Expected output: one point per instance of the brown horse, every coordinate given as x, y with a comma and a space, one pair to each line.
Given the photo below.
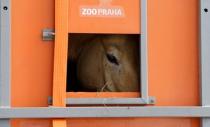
107, 62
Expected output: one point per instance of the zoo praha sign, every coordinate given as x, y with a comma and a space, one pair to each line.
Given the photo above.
104, 9
104, 16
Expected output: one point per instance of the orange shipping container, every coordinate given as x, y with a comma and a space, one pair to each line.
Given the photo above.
173, 54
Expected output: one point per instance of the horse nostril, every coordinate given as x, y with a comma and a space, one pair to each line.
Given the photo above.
112, 59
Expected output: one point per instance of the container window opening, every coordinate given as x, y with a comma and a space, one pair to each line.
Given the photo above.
103, 63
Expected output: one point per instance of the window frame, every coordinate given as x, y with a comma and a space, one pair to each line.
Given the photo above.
144, 97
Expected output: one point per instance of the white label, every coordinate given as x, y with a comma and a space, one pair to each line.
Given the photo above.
102, 12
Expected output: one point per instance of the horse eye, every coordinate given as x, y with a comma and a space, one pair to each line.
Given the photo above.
112, 59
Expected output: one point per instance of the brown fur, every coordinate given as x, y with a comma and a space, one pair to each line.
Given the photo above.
95, 72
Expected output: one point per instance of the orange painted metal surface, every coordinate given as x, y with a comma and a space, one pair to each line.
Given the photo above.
102, 94
173, 60
129, 22
60, 58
